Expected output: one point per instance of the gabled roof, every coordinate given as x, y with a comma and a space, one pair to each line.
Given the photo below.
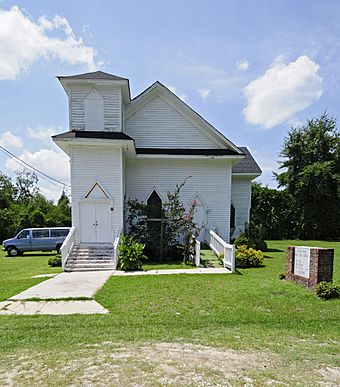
158, 87
247, 165
94, 75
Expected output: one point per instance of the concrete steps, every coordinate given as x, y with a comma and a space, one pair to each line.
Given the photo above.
90, 258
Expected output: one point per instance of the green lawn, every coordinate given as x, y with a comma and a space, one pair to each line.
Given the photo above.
250, 311
16, 272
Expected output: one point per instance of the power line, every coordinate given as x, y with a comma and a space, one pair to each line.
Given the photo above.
43, 175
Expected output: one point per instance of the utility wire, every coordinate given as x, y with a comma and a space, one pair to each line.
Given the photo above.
42, 174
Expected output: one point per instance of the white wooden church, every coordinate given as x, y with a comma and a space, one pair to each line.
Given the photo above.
122, 147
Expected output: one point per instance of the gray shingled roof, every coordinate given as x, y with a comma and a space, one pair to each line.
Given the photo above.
248, 164
95, 75
92, 134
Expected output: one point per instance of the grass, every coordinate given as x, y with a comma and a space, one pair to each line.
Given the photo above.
252, 311
16, 272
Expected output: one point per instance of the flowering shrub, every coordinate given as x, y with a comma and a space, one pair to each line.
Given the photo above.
248, 257
177, 233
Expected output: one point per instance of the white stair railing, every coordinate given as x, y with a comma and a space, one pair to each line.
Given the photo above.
67, 246
222, 248
116, 243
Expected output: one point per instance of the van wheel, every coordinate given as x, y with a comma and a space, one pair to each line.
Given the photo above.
58, 249
12, 251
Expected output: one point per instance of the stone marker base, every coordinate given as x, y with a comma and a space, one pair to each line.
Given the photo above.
320, 266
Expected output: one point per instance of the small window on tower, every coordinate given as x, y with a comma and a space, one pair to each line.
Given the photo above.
94, 112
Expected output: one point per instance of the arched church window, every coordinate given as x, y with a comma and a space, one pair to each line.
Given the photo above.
232, 216
154, 206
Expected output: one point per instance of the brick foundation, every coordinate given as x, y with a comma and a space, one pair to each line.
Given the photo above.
320, 266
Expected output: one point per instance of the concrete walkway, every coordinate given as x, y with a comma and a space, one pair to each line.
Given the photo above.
62, 286
67, 285
51, 307
212, 270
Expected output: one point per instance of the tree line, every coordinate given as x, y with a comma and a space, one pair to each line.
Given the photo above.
306, 204
22, 205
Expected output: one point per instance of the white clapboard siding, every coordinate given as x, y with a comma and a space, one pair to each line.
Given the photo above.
91, 164
210, 178
158, 125
241, 199
112, 107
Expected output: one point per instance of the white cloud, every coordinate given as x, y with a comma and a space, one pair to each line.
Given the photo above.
23, 41
173, 89
53, 163
42, 133
10, 140
282, 91
52, 192
243, 65
204, 93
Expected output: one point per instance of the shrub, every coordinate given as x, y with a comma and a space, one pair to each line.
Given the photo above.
327, 290
245, 240
248, 257
260, 244
131, 254
54, 261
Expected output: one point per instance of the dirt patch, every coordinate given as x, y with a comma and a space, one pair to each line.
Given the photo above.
165, 364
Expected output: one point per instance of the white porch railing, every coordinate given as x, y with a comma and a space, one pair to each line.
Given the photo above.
197, 253
116, 243
220, 247
67, 246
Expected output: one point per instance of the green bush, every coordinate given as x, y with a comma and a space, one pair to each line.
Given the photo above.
131, 254
244, 240
248, 257
327, 290
54, 261
260, 244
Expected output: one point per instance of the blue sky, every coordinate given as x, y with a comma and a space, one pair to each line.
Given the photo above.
251, 68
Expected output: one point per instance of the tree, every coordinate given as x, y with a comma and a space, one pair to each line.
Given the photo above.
311, 175
272, 214
23, 206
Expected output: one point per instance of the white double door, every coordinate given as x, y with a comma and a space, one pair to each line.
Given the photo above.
95, 222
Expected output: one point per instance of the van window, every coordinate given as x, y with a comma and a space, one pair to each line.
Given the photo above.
40, 234
24, 234
59, 233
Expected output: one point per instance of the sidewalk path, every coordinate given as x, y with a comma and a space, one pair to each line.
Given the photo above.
212, 270
51, 307
67, 285
62, 286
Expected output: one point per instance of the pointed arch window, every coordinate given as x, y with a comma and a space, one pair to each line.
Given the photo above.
156, 225
154, 206
232, 216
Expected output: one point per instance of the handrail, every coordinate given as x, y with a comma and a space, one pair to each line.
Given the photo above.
67, 246
197, 252
116, 243
220, 247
